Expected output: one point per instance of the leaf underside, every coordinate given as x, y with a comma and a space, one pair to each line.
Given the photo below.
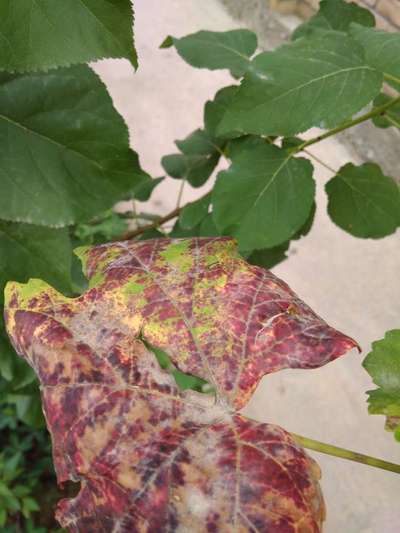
153, 457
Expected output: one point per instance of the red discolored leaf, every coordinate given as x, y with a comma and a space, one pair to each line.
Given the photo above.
151, 457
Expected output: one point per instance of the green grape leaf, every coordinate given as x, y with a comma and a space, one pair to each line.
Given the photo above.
109, 227
28, 407
269, 257
196, 169
152, 233
43, 34
390, 117
382, 50
264, 197
217, 50
214, 111
363, 201
193, 213
383, 365
144, 189
207, 227
7, 355
335, 15
65, 150
28, 251
309, 82
199, 142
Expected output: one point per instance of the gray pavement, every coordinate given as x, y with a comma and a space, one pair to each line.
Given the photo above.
354, 284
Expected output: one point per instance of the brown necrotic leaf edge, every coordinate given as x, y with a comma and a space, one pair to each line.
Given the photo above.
150, 457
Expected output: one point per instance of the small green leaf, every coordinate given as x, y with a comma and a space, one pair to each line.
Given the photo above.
390, 117
264, 197
363, 201
196, 169
269, 257
207, 227
151, 234
214, 111
192, 214
335, 15
42, 35
217, 50
3, 516
382, 49
28, 251
199, 142
29, 505
144, 190
310, 82
108, 228
7, 354
65, 150
184, 381
167, 42
29, 408
383, 365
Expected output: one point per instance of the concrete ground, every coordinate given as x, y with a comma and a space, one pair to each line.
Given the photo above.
354, 284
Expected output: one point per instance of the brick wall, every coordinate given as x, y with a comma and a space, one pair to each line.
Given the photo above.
387, 12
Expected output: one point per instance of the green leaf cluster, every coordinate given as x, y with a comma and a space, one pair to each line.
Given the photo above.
333, 69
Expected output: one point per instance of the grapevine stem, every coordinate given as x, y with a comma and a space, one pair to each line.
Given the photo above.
392, 78
392, 121
180, 194
348, 124
329, 449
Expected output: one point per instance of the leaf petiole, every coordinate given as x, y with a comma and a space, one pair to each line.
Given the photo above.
348, 124
343, 453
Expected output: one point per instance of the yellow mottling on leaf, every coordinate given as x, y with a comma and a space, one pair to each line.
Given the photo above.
178, 254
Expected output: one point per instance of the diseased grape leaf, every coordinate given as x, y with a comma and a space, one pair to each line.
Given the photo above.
153, 457
383, 365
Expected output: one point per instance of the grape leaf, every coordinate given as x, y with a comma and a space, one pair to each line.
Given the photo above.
390, 117
382, 49
145, 188
309, 82
199, 142
217, 50
193, 213
335, 15
153, 457
215, 109
383, 365
269, 257
43, 34
196, 169
65, 150
264, 197
27, 251
363, 201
